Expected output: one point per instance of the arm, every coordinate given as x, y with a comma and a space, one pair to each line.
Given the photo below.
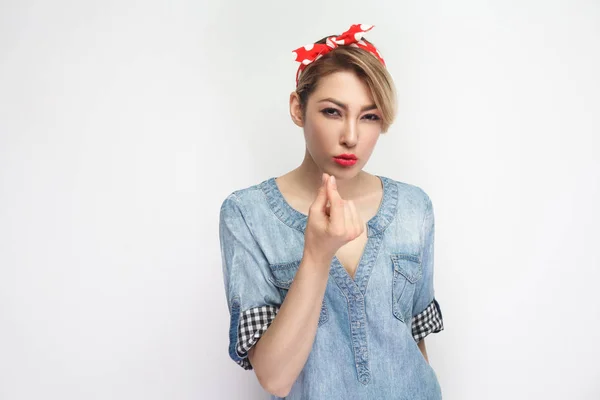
280, 354
428, 317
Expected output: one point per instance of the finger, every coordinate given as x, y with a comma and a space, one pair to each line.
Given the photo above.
336, 211
353, 222
321, 199
348, 218
333, 195
356, 218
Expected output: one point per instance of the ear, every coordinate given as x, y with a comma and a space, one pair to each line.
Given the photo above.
296, 109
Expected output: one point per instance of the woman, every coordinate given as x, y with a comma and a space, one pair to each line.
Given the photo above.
341, 307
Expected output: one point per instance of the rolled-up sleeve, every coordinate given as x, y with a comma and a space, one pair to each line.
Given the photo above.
245, 276
427, 315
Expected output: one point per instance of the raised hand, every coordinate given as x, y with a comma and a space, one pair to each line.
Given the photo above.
332, 225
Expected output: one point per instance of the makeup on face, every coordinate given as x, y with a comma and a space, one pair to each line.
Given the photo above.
342, 117
346, 159
372, 117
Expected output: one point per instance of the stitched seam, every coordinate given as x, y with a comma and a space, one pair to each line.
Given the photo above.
427, 203
277, 216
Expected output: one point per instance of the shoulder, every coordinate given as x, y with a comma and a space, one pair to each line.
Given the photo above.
248, 202
411, 195
244, 196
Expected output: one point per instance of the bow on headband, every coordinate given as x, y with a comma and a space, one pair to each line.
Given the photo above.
352, 37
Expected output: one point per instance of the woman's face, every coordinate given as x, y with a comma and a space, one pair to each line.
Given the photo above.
341, 118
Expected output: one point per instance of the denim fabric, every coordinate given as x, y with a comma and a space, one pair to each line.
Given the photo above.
364, 348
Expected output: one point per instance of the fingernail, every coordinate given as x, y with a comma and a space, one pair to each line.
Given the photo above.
333, 181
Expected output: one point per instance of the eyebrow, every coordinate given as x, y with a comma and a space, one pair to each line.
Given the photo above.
345, 107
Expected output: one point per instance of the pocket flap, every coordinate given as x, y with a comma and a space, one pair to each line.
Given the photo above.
408, 265
283, 274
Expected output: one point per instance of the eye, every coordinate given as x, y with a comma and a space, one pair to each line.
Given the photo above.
372, 117
330, 112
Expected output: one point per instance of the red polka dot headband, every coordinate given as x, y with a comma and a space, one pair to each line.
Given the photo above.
352, 37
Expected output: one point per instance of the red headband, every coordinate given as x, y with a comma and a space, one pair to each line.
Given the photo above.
352, 37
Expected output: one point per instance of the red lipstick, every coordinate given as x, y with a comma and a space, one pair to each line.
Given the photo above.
345, 159
346, 155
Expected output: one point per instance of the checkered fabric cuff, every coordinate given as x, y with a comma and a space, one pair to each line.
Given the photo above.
253, 323
427, 321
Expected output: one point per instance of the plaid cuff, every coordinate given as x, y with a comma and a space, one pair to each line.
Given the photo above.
253, 323
427, 321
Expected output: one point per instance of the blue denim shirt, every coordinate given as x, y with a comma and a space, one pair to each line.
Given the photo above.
366, 341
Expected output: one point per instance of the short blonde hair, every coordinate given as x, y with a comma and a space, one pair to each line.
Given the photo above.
366, 66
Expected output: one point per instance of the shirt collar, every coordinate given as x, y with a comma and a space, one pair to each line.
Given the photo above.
297, 220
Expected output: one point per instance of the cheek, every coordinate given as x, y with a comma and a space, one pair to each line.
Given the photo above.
319, 131
372, 138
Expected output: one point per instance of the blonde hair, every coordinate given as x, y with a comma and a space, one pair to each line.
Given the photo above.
366, 66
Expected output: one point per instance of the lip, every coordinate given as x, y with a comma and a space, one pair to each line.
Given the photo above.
346, 162
347, 156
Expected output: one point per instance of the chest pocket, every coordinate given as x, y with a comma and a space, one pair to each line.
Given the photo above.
283, 276
407, 272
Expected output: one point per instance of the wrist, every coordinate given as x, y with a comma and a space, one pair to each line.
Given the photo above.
317, 258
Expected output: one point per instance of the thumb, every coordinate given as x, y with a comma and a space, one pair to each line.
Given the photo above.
331, 189
321, 200
337, 210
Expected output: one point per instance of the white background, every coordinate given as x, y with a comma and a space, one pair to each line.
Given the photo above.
124, 124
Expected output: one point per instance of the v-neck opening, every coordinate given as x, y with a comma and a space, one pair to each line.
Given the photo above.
368, 242
375, 227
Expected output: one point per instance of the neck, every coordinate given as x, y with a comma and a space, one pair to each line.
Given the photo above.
351, 186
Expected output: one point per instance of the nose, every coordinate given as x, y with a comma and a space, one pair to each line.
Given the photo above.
350, 134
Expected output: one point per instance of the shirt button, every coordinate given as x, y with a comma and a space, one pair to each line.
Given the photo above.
364, 378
